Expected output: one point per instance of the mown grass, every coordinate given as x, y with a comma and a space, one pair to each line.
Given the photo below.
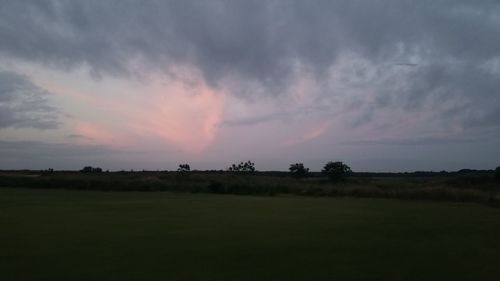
84, 235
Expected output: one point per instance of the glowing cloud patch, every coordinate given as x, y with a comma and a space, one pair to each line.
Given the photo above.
311, 134
92, 133
186, 115
181, 110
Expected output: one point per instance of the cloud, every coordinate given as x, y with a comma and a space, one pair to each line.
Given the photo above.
25, 105
77, 136
74, 156
259, 40
41, 155
385, 70
311, 134
414, 142
183, 113
279, 114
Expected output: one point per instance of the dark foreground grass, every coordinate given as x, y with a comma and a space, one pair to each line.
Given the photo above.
84, 235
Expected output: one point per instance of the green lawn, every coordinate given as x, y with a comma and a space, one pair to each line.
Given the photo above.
81, 235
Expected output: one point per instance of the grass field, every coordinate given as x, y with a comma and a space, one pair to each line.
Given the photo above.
86, 235
476, 188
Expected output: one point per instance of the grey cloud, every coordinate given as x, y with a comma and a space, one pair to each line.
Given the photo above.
41, 155
68, 156
23, 104
463, 92
78, 136
460, 93
255, 39
284, 115
426, 54
415, 141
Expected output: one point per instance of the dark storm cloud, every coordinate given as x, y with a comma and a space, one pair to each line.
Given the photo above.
444, 43
23, 104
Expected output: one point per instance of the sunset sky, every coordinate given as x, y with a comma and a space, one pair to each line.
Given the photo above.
388, 85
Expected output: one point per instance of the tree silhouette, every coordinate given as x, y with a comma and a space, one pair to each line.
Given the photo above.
247, 167
297, 170
184, 168
336, 170
497, 173
90, 169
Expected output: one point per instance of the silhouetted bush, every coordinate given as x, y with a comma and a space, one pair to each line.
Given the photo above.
336, 170
298, 170
497, 173
90, 169
248, 167
184, 168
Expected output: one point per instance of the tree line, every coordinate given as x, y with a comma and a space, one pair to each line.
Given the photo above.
335, 171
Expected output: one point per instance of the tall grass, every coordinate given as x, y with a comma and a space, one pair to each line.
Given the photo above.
483, 190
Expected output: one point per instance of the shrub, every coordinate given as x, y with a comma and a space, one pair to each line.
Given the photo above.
90, 169
184, 168
297, 170
248, 167
336, 170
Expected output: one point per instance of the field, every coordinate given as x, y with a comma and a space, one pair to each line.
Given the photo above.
476, 186
55, 234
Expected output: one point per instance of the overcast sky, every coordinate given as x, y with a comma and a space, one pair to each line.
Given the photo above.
382, 85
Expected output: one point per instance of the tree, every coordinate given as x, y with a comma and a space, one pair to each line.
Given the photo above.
497, 173
247, 167
90, 169
297, 170
336, 170
184, 168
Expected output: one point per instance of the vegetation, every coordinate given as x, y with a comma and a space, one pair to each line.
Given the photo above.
336, 171
297, 170
456, 187
246, 167
497, 173
86, 169
184, 168
70, 235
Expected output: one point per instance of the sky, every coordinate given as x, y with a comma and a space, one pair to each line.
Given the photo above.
382, 85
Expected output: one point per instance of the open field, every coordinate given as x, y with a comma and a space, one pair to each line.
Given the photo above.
51, 234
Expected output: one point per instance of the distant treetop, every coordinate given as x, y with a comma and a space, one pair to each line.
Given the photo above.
248, 167
336, 170
184, 168
297, 170
90, 169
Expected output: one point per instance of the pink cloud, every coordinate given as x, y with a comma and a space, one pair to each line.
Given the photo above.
185, 116
93, 133
311, 134
183, 112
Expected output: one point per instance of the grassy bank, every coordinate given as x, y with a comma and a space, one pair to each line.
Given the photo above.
481, 189
82, 235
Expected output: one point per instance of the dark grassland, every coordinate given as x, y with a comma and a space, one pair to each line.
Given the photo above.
48, 234
62, 226
479, 186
